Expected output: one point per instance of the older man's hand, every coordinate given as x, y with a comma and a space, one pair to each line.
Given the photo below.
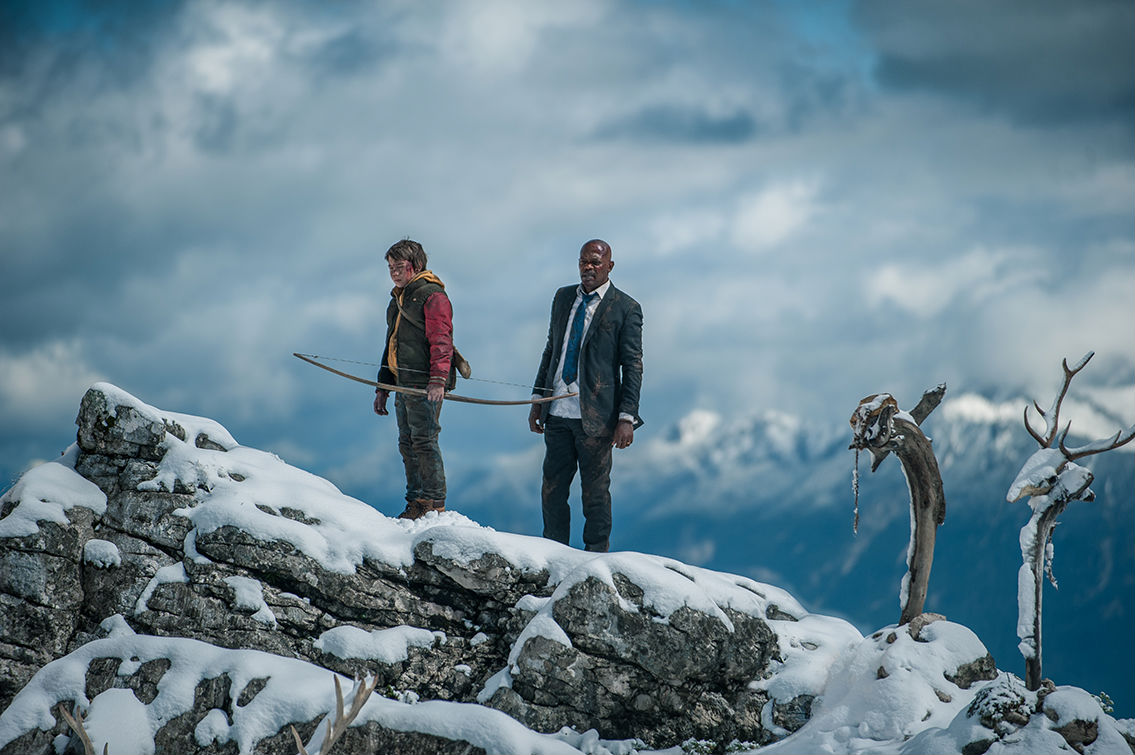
624, 434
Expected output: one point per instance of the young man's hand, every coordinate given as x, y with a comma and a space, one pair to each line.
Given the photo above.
435, 392
380, 402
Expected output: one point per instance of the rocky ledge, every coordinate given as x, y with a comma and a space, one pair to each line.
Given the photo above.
160, 573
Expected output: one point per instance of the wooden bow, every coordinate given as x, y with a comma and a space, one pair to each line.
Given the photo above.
422, 392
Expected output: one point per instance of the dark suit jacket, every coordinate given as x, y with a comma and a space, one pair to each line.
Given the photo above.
610, 359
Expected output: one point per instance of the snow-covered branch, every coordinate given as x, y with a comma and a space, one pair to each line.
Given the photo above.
1051, 480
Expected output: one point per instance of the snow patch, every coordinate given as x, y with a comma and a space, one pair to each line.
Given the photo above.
101, 554
119, 722
164, 575
44, 494
384, 645
249, 596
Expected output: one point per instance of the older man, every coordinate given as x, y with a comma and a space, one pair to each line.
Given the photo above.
594, 348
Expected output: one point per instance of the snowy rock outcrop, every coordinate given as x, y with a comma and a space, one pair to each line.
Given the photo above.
186, 593
157, 525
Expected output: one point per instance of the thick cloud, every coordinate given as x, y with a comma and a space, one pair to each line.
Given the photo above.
1046, 62
811, 204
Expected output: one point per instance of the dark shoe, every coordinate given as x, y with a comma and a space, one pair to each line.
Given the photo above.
413, 510
597, 547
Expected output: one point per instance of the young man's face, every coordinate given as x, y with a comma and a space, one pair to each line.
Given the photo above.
401, 271
594, 267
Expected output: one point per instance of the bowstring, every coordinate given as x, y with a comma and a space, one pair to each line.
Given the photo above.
424, 372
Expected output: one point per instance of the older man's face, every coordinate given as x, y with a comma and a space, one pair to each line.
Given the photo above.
594, 266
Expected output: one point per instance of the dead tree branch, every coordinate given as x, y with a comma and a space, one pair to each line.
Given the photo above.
879, 426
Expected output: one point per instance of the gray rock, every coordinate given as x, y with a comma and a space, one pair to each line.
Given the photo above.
980, 669
41, 596
629, 674
150, 516
111, 430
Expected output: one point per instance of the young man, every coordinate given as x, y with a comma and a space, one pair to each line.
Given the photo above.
594, 347
418, 354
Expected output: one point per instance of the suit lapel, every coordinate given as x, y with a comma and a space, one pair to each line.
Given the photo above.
563, 309
601, 311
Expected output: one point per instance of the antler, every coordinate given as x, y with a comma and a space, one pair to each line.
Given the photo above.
362, 692
1052, 416
76, 723
1097, 447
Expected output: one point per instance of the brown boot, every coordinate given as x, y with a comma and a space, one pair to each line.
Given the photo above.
428, 506
414, 509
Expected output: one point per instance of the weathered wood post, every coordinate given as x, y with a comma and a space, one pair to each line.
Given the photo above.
879, 426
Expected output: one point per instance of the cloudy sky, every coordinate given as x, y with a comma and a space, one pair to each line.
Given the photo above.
812, 202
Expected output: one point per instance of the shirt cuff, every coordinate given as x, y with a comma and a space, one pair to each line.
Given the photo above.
627, 417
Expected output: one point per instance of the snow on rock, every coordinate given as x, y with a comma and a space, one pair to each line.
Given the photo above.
101, 554
43, 494
892, 685
248, 595
119, 721
174, 573
273, 692
386, 645
115, 626
1005, 717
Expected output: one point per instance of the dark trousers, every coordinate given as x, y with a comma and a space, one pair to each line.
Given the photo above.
567, 448
419, 422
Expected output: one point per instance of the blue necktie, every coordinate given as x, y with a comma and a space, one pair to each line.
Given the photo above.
571, 359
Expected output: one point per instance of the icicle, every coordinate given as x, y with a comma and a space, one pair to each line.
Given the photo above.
855, 489
1049, 553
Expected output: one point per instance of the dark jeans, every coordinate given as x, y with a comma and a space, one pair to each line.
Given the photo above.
567, 448
418, 428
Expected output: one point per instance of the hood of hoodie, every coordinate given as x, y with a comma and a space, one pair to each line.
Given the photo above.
426, 275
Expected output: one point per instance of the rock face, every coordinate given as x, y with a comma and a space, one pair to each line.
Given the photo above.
161, 525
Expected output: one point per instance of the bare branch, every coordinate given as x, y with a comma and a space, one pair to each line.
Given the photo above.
1121, 438
76, 724
929, 401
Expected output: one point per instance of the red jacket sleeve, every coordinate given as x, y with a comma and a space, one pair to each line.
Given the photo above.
439, 334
